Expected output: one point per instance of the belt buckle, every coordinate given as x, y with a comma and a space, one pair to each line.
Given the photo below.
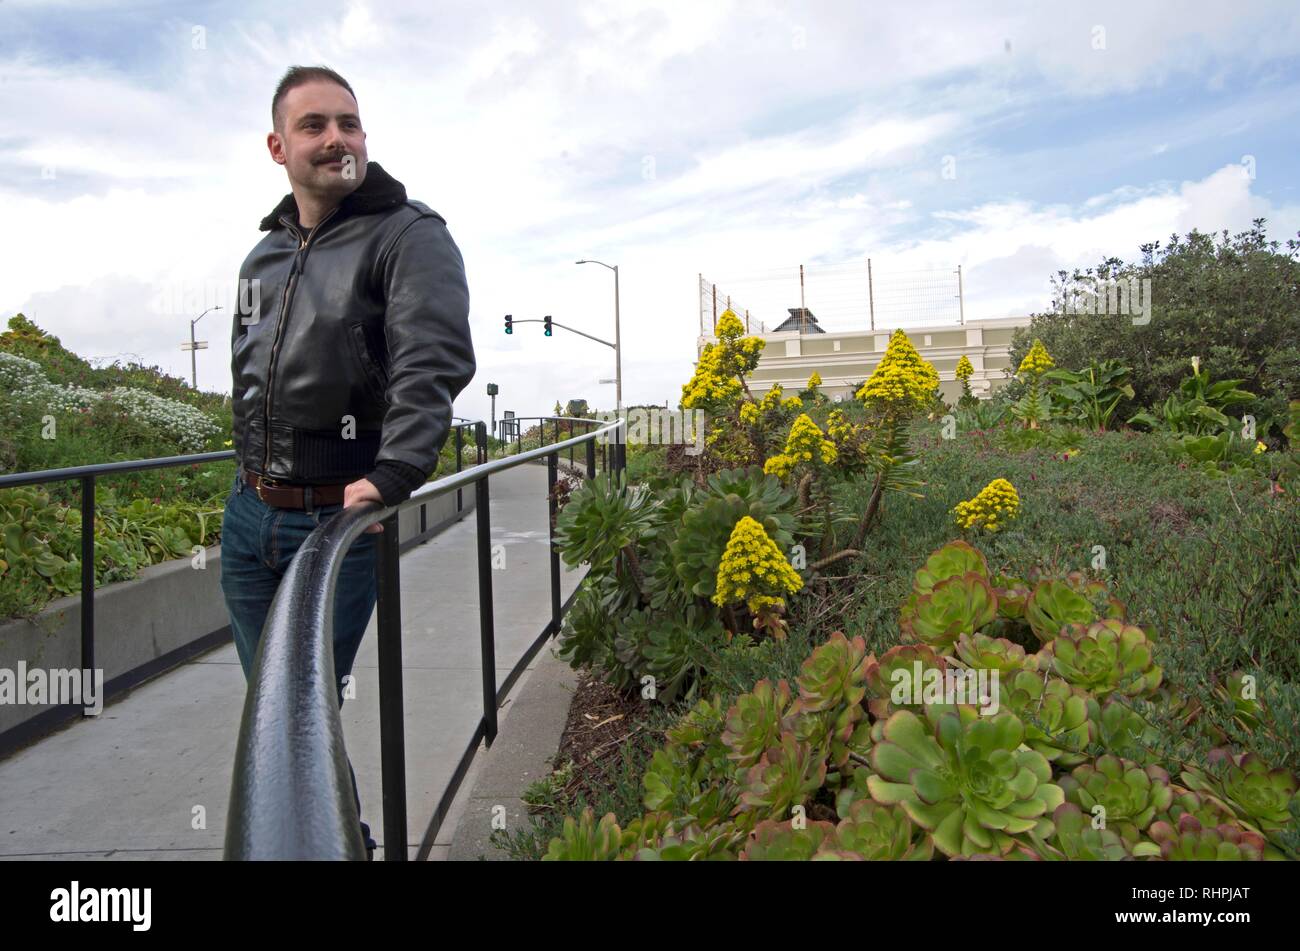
269, 483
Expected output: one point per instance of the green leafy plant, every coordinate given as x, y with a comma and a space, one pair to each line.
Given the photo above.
1090, 395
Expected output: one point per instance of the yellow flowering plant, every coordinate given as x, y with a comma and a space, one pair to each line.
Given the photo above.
753, 571
805, 444
902, 382
1031, 408
964, 371
995, 505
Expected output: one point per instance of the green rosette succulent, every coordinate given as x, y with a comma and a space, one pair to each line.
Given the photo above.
964, 778
1077, 840
981, 652
1258, 795
754, 722
1130, 795
881, 833
784, 776
1189, 841
1056, 715
953, 559
1055, 606
1122, 731
718, 843
773, 841
1247, 709
586, 840
834, 675
600, 519
1109, 656
898, 666
961, 604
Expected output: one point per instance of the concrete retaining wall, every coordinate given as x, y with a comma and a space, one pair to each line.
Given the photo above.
167, 614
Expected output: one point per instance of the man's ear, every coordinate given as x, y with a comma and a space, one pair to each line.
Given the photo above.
275, 145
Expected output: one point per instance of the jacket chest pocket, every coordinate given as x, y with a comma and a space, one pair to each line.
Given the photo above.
373, 372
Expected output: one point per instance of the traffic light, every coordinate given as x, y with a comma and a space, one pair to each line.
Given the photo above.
547, 323
510, 324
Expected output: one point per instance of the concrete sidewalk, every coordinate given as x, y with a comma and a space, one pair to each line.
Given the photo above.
150, 777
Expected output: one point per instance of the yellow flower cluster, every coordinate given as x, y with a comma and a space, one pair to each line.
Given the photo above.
997, 503
805, 440
711, 383
815, 380
729, 326
753, 569
964, 369
792, 402
903, 379
771, 399
1260, 447
1037, 361
749, 413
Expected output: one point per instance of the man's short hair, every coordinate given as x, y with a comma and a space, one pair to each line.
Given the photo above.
297, 76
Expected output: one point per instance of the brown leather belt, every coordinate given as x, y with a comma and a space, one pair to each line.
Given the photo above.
286, 496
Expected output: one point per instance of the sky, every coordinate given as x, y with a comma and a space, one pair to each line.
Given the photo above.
734, 140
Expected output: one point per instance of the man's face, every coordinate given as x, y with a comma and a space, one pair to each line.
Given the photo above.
322, 145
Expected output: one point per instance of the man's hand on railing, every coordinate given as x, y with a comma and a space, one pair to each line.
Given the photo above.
363, 490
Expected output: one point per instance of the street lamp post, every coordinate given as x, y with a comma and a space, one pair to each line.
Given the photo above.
193, 346
618, 349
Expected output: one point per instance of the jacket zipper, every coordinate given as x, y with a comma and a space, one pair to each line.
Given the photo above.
285, 302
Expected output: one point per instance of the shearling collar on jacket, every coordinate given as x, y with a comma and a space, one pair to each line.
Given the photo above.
379, 191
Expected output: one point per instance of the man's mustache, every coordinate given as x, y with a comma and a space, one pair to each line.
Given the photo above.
331, 158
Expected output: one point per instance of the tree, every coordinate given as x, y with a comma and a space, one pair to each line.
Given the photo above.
1234, 303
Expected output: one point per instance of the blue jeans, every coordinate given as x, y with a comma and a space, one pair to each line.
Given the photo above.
258, 541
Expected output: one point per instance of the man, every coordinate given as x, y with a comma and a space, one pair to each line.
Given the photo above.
350, 342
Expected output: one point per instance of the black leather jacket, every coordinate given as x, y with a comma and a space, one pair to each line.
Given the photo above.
349, 348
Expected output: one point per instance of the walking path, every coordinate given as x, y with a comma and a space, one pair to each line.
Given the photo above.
149, 778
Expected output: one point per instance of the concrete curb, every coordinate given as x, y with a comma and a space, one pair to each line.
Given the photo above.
527, 741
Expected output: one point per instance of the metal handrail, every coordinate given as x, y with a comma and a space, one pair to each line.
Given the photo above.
290, 794
87, 475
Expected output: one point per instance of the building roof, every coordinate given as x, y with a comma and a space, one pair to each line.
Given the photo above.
801, 319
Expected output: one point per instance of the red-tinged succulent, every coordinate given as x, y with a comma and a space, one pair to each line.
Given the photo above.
754, 722
786, 775
1013, 596
773, 841
1130, 796
1209, 810
1057, 717
1259, 795
898, 665
1189, 841
961, 604
952, 560
1110, 656
1078, 839
964, 778
1055, 606
879, 832
981, 652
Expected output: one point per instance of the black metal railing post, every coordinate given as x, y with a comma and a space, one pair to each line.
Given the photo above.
392, 732
591, 458
557, 615
87, 575
460, 502
487, 632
